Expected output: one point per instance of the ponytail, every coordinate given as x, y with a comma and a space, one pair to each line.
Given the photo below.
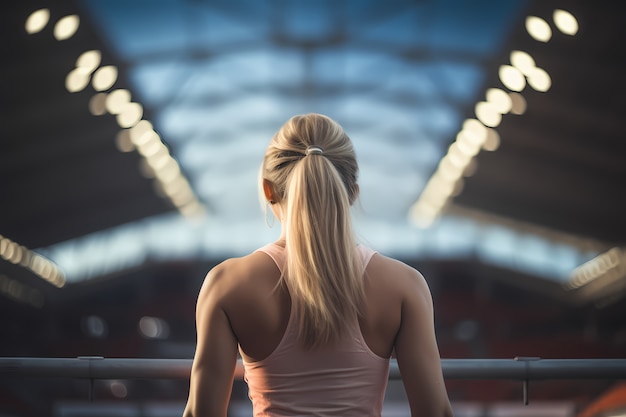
317, 188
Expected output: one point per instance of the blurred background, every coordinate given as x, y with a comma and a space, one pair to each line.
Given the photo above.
491, 142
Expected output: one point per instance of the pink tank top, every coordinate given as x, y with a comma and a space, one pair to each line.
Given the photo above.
345, 380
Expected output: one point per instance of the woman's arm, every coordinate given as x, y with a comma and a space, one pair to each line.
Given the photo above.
214, 362
417, 351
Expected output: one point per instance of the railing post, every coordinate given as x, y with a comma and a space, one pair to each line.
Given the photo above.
526, 382
90, 394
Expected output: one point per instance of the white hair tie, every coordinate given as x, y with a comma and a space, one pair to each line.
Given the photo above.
314, 150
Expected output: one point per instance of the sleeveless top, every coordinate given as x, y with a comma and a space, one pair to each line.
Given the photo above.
347, 379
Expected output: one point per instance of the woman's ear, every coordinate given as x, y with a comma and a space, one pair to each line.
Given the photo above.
268, 190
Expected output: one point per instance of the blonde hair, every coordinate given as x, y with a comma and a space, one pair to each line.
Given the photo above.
317, 190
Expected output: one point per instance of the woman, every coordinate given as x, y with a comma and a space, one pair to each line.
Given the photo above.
314, 316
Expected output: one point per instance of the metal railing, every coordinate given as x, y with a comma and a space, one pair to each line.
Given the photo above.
523, 369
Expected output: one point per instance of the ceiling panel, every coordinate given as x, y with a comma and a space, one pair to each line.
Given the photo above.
218, 78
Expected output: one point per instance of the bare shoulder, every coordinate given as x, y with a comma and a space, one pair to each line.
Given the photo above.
400, 276
233, 276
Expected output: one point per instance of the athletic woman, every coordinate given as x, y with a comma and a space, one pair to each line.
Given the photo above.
314, 316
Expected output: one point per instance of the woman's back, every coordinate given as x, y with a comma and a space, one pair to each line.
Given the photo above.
342, 378
396, 315
259, 307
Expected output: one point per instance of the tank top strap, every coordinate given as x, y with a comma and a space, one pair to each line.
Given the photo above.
366, 254
277, 253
